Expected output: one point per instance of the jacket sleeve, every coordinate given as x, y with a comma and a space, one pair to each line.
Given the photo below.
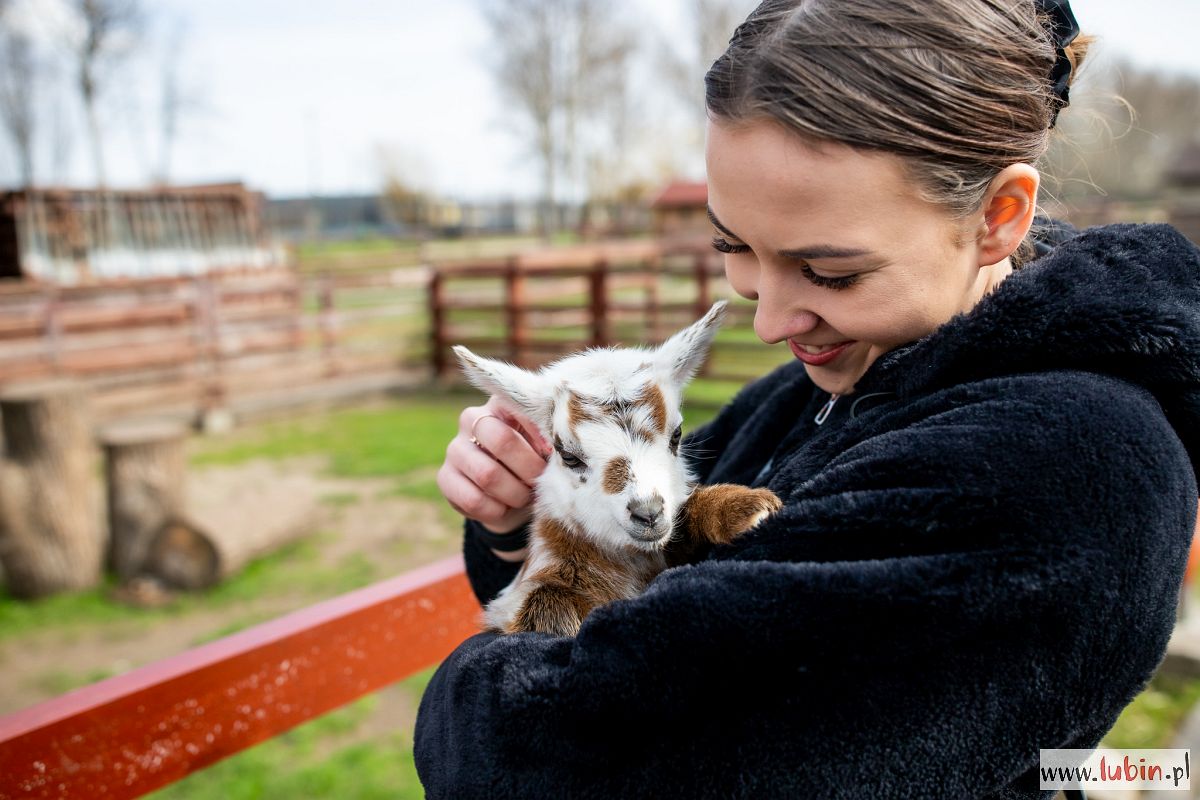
930, 608
486, 573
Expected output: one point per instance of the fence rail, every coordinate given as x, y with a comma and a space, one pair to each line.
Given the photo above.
134, 733
532, 308
202, 341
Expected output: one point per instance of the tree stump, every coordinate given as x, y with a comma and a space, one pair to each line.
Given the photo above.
51, 538
214, 540
145, 468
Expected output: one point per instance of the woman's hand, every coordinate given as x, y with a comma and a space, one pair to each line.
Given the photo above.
492, 481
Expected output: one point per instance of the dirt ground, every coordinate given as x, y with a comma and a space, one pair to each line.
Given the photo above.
361, 520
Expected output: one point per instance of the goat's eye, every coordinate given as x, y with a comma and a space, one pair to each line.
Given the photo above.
570, 461
675, 437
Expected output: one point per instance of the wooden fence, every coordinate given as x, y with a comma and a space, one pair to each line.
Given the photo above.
136, 732
529, 309
198, 343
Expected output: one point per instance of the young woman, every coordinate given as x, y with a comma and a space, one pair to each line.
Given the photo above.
984, 447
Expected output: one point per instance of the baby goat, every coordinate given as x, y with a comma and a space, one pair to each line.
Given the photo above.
617, 492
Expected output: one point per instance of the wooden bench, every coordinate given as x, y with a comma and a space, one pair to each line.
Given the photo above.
131, 734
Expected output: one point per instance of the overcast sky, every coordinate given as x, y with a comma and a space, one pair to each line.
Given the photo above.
297, 97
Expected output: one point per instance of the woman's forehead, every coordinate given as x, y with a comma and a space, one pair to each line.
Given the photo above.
760, 175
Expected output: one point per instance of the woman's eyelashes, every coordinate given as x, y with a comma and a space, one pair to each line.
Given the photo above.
722, 246
841, 282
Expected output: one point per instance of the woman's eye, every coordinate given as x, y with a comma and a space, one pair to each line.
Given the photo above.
570, 461
843, 282
722, 246
675, 437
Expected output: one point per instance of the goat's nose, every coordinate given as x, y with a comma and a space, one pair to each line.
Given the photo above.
646, 510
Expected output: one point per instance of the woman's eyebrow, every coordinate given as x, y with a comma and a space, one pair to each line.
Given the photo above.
802, 253
717, 223
823, 251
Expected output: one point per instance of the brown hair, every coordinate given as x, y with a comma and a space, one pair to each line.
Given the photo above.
959, 88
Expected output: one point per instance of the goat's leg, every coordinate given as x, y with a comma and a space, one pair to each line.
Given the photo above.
551, 608
715, 515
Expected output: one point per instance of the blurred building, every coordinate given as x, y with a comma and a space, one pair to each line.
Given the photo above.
73, 236
370, 215
681, 209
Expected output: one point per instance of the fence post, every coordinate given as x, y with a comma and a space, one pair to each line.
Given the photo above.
53, 328
599, 296
703, 296
652, 316
328, 324
213, 416
518, 337
437, 321
297, 297
703, 300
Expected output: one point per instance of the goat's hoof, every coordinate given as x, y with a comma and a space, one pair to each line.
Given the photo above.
751, 509
720, 512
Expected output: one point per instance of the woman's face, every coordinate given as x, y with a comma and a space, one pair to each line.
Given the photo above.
836, 246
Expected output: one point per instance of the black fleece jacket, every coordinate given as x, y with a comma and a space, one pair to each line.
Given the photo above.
979, 556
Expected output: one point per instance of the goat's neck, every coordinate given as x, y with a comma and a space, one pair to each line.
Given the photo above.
567, 543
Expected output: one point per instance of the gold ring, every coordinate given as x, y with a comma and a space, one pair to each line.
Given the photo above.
474, 439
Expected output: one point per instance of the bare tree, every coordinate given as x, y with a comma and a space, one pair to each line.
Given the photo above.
686, 59
405, 191
556, 63
110, 28
528, 72
21, 74
176, 99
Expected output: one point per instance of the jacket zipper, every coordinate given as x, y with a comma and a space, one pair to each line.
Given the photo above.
825, 409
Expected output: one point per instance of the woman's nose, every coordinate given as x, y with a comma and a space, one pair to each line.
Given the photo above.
778, 317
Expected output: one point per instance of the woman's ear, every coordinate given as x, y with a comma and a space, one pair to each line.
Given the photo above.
1008, 209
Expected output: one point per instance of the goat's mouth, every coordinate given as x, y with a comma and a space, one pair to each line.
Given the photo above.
649, 534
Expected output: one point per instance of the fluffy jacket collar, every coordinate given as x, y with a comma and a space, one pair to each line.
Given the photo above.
1120, 300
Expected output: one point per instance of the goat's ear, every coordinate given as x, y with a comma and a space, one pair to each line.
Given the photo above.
526, 391
680, 356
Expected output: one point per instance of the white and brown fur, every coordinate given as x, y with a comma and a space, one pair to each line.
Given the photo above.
616, 504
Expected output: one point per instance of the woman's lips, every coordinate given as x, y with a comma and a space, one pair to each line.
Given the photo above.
819, 358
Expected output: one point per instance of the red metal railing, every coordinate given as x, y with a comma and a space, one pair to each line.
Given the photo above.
134, 733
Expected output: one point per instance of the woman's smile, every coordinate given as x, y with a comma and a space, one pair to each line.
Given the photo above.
818, 355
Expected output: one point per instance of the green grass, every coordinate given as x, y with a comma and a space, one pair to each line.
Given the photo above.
61, 681
389, 440
295, 568
365, 245
340, 499
1155, 715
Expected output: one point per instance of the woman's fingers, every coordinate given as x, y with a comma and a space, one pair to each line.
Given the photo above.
509, 447
522, 424
467, 498
489, 475
492, 465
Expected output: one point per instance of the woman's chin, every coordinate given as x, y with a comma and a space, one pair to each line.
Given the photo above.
842, 380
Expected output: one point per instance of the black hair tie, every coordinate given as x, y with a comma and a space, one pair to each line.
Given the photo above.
1063, 30
504, 542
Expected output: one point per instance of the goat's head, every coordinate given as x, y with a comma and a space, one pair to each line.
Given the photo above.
613, 416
